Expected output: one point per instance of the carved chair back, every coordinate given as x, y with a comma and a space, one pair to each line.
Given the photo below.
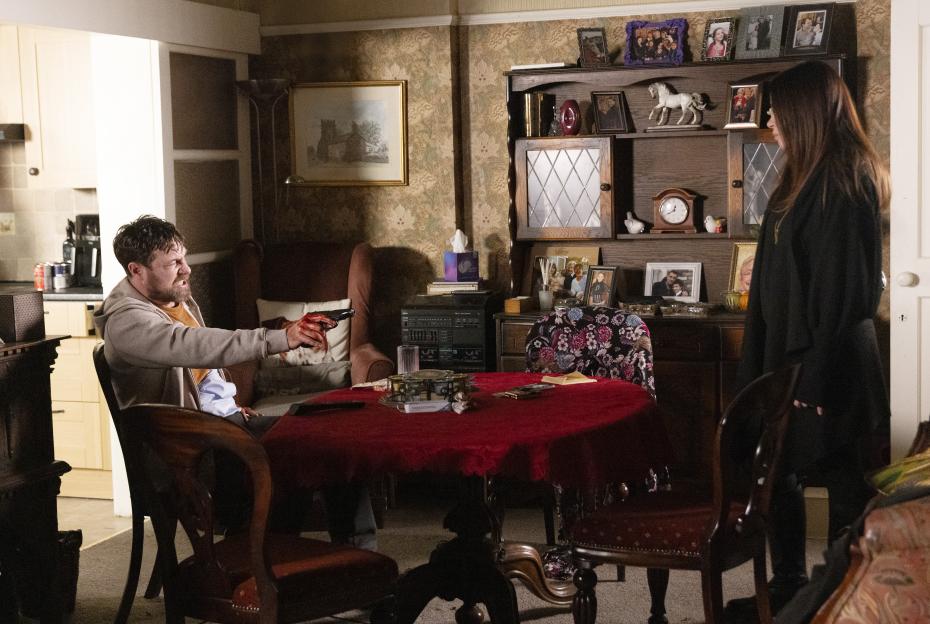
760, 412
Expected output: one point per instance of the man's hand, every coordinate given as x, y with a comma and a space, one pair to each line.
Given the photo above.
309, 331
248, 413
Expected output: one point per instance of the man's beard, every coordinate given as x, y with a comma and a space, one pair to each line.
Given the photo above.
178, 293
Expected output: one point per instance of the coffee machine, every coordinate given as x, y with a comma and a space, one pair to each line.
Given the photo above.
87, 261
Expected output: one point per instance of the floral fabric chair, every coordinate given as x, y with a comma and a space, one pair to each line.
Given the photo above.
592, 340
596, 341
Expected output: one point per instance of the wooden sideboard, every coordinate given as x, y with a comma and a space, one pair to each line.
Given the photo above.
29, 481
695, 369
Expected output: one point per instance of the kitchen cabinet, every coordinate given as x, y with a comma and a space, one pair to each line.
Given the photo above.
11, 104
58, 108
80, 416
695, 361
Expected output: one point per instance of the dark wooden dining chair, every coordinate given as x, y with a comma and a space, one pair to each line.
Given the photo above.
596, 341
137, 503
252, 576
691, 530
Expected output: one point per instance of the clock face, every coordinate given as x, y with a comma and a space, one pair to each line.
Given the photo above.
674, 210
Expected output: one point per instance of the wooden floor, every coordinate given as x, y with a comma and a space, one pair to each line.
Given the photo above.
93, 516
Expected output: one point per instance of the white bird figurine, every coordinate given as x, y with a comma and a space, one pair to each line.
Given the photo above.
633, 225
710, 223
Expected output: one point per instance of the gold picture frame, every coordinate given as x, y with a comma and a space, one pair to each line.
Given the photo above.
349, 133
741, 262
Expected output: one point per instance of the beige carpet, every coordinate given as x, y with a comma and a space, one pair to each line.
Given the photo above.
411, 534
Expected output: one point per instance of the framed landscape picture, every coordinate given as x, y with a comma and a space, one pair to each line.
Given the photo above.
678, 281
349, 133
759, 32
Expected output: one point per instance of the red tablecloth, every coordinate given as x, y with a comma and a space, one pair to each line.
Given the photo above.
573, 435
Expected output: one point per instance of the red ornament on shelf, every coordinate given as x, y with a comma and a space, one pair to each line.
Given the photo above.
570, 117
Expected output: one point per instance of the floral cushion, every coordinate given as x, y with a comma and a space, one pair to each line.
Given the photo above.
592, 340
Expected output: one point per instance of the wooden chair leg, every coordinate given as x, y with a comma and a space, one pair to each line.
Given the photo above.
584, 602
763, 605
135, 566
658, 585
712, 590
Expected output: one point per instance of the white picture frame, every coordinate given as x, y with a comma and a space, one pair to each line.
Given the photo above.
687, 276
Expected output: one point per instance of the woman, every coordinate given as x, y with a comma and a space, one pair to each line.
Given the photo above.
717, 45
815, 287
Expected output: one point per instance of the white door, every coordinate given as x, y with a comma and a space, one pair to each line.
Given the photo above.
910, 220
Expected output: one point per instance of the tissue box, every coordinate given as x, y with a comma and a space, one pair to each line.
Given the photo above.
460, 267
22, 317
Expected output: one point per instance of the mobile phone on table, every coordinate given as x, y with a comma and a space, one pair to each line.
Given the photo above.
337, 315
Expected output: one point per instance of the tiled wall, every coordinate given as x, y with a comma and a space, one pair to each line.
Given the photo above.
33, 222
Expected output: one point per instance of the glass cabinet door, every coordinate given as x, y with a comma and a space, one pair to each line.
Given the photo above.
754, 167
564, 188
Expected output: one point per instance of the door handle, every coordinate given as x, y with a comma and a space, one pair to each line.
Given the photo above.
907, 279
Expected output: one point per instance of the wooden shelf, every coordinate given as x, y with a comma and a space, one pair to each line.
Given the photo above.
664, 134
672, 235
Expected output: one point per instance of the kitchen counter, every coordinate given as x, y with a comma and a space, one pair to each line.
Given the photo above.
75, 293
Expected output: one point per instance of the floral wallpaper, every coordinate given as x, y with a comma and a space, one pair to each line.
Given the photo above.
454, 70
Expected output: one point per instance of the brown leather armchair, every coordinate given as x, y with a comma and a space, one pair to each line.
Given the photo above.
307, 271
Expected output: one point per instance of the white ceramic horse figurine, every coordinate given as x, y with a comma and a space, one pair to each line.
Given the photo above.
668, 99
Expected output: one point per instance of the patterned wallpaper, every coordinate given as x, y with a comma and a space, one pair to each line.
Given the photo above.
413, 223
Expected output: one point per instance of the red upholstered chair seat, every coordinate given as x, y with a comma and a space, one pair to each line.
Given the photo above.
667, 523
336, 574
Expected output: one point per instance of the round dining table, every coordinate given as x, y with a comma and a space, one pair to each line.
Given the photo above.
578, 435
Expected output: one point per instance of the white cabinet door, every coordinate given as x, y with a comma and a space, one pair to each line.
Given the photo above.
58, 108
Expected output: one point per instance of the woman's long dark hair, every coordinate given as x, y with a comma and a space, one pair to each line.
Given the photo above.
820, 128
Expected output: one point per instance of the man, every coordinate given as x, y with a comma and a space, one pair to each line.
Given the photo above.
578, 283
609, 108
159, 350
663, 288
598, 290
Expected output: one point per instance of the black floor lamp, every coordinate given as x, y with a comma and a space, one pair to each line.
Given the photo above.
268, 91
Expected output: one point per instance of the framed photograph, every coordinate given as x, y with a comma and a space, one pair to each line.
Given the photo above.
679, 281
655, 43
718, 39
349, 133
599, 291
808, 27
744, 255
759, 32
570, 273
592, 47
744, 105
610, 112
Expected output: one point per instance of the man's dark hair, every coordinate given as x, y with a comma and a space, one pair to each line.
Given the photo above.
137, 241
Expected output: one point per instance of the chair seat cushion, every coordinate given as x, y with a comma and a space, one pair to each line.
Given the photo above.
332, 577
675, 523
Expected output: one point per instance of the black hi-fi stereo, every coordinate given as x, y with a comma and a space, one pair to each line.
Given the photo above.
454, 332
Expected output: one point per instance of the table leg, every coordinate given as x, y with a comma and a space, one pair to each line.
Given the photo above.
465, 567
522, 562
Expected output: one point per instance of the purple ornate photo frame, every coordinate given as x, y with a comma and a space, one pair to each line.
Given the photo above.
655, 43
